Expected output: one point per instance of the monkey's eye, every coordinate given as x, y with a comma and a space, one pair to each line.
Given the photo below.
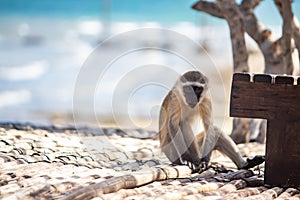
187, 89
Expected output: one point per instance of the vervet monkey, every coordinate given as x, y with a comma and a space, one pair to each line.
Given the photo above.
187, 102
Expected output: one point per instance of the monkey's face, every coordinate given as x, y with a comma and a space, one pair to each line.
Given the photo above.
192, 94
194, 87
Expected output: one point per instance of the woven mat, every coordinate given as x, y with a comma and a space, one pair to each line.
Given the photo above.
49, 162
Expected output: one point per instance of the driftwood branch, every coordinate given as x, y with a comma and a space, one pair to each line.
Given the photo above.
285, 9
294, 25
296, 34
263, 37
229, 10
253, 27
250, 4
209, 7
235, 21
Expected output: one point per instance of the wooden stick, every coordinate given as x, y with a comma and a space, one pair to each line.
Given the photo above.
232, 187
288, 193
135, 179
244, 193
268, 194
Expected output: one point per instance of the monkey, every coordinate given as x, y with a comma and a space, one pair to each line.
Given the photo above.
187, 102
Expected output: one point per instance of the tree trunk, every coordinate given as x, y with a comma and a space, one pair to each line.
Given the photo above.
234, 18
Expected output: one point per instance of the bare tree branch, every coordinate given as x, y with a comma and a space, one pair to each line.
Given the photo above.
208, 7
286, 38
285, 9
235, 21
296, 34
253, 27
249, 4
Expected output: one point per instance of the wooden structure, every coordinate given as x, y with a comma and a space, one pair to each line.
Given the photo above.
277, 99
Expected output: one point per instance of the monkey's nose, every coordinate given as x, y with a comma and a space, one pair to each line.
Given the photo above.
198, 91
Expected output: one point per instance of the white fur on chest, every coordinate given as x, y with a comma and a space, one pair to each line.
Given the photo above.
193, 116
197, 125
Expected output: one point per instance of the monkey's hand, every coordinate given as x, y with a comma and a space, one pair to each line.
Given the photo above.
191, 165
257, 160
201, 166
197, 166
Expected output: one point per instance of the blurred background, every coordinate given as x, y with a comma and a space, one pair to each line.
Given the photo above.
44, 44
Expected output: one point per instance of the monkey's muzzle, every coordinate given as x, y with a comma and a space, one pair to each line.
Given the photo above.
192, 94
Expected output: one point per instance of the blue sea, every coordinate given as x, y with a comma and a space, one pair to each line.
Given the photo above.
120, 10
45, 44
163, 11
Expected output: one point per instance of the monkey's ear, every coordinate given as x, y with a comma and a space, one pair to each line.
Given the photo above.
203, 80
206, 80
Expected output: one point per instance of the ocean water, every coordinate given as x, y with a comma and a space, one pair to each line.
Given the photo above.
46, 45
164, 11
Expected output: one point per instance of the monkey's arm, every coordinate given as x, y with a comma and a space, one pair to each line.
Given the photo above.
208, 137
170, 140
181, 147
191, 151
176, 136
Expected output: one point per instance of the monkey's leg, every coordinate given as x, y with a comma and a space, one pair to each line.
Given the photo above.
226, 145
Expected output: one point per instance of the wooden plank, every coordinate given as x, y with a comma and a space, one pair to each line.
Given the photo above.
282, 153
284, 80
262, 78
264, 100
241, 77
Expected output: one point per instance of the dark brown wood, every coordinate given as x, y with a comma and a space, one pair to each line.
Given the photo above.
278, 103
284, 80
262, 78
241, 77
264, 100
